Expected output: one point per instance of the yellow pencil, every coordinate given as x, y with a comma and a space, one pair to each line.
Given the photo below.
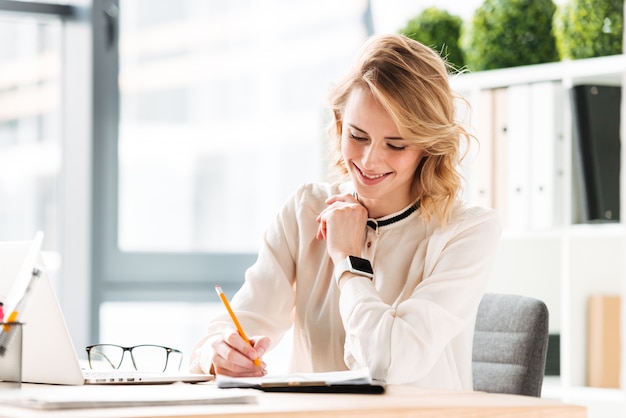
222, 296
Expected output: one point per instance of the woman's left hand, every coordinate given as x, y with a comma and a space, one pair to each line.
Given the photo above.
342, 225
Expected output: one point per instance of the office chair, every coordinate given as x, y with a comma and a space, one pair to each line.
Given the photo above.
510, 345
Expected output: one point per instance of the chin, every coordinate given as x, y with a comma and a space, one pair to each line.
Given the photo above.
366, 193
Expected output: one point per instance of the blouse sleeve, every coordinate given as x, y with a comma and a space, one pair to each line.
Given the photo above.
401, 344
264, 304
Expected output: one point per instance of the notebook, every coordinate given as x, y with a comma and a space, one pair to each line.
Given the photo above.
89, 396
346, 381
48, 354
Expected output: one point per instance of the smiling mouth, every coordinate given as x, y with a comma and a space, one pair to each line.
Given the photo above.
368, 176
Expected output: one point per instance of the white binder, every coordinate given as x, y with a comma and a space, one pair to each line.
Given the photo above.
519, 167
546, 155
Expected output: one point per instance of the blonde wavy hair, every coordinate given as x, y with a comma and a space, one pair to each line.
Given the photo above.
410, 81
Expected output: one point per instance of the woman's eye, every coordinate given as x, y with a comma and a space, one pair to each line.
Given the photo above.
396, 147
358, 138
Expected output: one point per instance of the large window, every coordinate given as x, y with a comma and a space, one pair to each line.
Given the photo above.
215, 113
222, 115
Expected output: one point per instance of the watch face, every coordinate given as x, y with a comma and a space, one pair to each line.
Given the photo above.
361, 264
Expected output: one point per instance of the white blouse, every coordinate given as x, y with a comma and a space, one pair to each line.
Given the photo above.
413, 324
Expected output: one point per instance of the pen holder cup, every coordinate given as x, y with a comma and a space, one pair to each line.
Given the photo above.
11, 336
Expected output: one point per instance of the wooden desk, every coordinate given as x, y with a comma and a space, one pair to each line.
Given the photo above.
398, 402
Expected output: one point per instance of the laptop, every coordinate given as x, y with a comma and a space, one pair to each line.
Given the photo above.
48, 354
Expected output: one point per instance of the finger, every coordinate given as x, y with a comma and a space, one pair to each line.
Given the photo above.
238, 343
261, 344
233, 356
231, 362
223, 367
321, 231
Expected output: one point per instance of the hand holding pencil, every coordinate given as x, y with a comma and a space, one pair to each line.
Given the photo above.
231, 344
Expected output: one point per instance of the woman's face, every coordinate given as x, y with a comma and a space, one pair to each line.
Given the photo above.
380, 162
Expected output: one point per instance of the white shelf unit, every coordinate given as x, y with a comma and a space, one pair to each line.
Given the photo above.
567, 261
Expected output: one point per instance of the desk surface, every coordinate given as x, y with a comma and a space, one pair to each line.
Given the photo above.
399, 401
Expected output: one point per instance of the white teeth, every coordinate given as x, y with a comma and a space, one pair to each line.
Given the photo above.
372, 177
377, 176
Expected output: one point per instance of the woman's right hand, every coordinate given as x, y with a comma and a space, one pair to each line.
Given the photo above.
342, 224
233, 356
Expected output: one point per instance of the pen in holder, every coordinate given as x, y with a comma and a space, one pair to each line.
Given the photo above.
11, 354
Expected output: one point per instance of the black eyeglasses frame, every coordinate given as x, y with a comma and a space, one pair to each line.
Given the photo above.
168, 351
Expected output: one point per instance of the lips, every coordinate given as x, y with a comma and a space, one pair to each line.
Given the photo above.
370, 179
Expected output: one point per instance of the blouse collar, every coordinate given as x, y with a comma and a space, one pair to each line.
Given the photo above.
393, 218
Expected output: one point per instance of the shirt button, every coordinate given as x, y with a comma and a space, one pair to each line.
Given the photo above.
369, 244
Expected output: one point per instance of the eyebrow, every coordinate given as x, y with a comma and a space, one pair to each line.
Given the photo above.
392, 138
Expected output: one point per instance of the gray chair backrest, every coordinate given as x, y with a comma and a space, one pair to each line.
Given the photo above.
510, 345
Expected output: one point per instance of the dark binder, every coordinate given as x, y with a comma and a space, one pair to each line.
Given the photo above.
373, 388
596, 113
349, 381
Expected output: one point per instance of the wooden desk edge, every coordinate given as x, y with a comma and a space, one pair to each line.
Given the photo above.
398, 402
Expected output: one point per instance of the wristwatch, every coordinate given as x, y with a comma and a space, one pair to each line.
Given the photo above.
355, 265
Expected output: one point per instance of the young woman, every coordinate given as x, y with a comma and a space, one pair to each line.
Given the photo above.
384, 270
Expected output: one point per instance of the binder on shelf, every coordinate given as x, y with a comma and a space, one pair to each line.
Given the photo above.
546, 138
596, 111
603, 341
500, 152
518, 157
480, 173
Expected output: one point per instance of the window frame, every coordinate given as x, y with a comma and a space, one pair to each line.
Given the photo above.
63, 11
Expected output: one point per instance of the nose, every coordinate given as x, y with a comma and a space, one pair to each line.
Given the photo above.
371, 156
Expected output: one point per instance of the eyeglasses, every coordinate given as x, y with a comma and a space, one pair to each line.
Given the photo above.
145, 357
